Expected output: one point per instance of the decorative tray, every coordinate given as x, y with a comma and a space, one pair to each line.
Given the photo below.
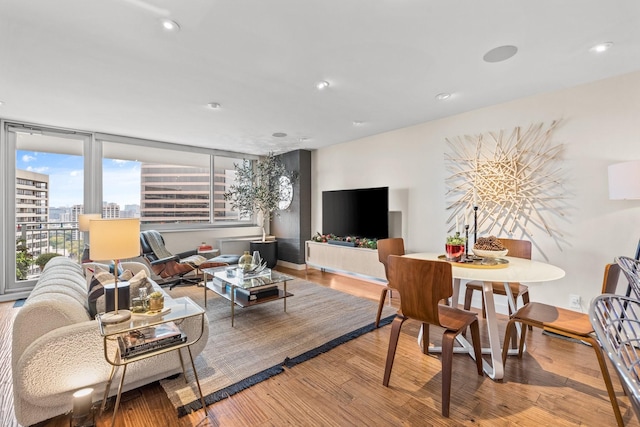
162, 312
479, 262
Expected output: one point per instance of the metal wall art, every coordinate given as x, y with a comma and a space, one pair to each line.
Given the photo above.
514, 178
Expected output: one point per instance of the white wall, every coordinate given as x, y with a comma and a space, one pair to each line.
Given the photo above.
600, 126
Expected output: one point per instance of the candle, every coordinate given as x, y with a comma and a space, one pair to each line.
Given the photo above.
466, 219
457, 225
475, 197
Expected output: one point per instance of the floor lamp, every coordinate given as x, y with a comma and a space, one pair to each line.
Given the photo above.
114, 239
83, 226
624, 184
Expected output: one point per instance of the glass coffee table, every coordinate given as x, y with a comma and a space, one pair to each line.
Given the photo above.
246, 291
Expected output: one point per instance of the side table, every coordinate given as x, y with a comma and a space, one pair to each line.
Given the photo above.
181, 308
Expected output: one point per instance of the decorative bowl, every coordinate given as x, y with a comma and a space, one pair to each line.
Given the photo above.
490, 254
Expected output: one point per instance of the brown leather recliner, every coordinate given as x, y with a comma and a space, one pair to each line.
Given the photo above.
171, 268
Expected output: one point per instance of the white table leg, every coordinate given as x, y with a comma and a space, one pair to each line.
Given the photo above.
497, 369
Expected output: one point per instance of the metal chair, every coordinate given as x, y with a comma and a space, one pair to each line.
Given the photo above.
567, 323
386, 247
422, 284
631, 268
616, 322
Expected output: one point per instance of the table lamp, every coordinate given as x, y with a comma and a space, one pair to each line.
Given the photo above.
83, 226
114, 239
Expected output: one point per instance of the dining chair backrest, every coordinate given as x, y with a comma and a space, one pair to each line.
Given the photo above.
631, 269
517, 248
390, 246
611, 276
422, 284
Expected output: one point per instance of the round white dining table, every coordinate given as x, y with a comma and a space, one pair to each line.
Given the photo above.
518, 270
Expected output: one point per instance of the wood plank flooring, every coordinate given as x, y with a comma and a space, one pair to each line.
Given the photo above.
557, 383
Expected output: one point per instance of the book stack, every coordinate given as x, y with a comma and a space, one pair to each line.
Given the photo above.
246, 296
145, 340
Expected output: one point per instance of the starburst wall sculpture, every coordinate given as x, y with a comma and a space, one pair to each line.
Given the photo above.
514, 179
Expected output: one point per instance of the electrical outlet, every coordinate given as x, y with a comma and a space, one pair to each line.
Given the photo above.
574, 301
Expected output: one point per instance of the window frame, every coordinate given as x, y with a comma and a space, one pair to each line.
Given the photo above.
92, 151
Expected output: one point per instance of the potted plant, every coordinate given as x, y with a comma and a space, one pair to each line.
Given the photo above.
455, 247
43, 259
259, 190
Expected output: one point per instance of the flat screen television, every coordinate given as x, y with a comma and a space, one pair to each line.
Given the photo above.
362, 212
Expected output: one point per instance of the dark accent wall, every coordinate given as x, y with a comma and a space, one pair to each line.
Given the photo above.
292, 227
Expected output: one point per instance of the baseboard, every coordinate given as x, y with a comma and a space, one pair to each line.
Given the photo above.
292, 266
350, 274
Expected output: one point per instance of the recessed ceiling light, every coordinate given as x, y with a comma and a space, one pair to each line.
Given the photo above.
358, 122
214, 105
303, 139
1, 102
279, 134
442, 96
601, 47
500, 53
322, 85
170, 25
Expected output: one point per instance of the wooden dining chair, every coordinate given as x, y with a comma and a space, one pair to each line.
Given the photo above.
567, 323
422, 284
611, 277
386, 247
518, 249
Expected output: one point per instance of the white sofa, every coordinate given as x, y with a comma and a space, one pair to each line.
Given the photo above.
57, 348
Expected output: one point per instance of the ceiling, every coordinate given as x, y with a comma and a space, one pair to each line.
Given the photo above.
109, 66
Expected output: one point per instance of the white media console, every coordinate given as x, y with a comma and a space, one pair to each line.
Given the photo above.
361, 261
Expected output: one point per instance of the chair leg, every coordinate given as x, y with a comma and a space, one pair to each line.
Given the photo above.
383, 297
468, 294
393, 344
507, 338
525, 301
477, 345
425, 338
447, 364
607, 378
523, 335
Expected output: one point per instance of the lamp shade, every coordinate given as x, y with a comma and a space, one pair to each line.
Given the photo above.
624, 180
83, 220
114, 238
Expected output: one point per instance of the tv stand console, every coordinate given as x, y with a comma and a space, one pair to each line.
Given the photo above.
345, 259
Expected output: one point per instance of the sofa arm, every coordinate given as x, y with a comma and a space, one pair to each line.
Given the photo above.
70, 358
60, 362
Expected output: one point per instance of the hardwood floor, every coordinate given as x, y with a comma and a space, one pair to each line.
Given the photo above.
557, 383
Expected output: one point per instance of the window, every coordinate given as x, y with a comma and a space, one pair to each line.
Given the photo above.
167, 186
49, 188
50, 176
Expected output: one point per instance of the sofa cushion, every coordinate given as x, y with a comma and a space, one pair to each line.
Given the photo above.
96, 287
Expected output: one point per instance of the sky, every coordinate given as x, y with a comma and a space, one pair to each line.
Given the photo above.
120, 182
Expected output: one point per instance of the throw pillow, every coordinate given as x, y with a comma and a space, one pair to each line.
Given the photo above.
96, 288
138, 282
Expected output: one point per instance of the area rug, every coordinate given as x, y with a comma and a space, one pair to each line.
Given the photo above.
265, 339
